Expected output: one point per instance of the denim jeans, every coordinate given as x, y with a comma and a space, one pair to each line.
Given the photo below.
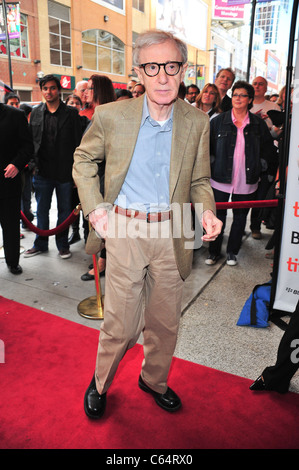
238, 224
44, 189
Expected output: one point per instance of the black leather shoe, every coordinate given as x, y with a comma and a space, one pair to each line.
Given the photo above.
90, 277
94, 403
87, 277
16, 269
259, 384
74, 238
169, 400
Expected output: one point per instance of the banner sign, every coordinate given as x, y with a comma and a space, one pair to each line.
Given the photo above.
13, 21
287, 289
224, 11
67, 82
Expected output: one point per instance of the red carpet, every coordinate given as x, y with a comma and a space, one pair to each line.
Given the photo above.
48, 366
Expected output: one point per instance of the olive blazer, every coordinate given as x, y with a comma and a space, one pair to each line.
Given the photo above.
112, 137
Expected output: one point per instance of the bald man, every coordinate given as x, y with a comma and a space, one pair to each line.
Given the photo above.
260, 105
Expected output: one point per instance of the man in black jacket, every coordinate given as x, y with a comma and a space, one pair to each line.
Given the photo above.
224, 81
56, 129
16, 151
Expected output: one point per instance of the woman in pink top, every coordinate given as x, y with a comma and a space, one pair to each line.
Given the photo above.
241, 149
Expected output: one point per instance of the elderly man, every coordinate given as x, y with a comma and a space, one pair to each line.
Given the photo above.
156, 149
80, 91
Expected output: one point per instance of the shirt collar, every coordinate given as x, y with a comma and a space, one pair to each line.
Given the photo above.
146, 114
245, 120
55, 112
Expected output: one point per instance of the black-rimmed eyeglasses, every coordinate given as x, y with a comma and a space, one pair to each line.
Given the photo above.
152, 69
241, 95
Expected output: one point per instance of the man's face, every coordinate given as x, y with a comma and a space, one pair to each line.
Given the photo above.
74, 103
224, 81
131, 85
137, 91
192, 94
80, 91
260, 87
50, 92
13, 102
161, 89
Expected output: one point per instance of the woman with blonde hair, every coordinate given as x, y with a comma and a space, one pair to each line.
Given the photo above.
209, 100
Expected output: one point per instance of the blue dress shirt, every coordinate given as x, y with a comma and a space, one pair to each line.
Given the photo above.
146, 186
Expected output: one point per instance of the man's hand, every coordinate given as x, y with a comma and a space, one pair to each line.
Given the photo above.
10, 171
99, 221
261, 114
212, 226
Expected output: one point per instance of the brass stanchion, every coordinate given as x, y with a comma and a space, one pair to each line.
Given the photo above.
93, 307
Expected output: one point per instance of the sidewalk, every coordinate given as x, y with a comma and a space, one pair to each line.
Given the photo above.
212, 302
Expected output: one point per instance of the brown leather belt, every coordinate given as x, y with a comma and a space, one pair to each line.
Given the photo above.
148, 216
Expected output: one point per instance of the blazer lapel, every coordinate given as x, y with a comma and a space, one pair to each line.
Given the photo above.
130, 120
180, 135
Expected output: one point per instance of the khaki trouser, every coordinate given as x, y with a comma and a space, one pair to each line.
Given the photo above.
143, 292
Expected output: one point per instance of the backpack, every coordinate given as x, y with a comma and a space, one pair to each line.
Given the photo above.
255, 312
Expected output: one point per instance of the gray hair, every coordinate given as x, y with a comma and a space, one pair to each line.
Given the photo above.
156, 36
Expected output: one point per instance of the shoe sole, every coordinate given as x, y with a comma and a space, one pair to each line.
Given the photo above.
147, 390
210, 262
231, 263
30, 255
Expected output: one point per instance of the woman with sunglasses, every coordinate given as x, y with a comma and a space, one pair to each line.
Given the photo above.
241, 148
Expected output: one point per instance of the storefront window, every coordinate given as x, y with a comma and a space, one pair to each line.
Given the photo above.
60, 34
103, 52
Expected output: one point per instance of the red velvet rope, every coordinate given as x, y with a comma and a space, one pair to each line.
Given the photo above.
72, 217
247, 204
60, 228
